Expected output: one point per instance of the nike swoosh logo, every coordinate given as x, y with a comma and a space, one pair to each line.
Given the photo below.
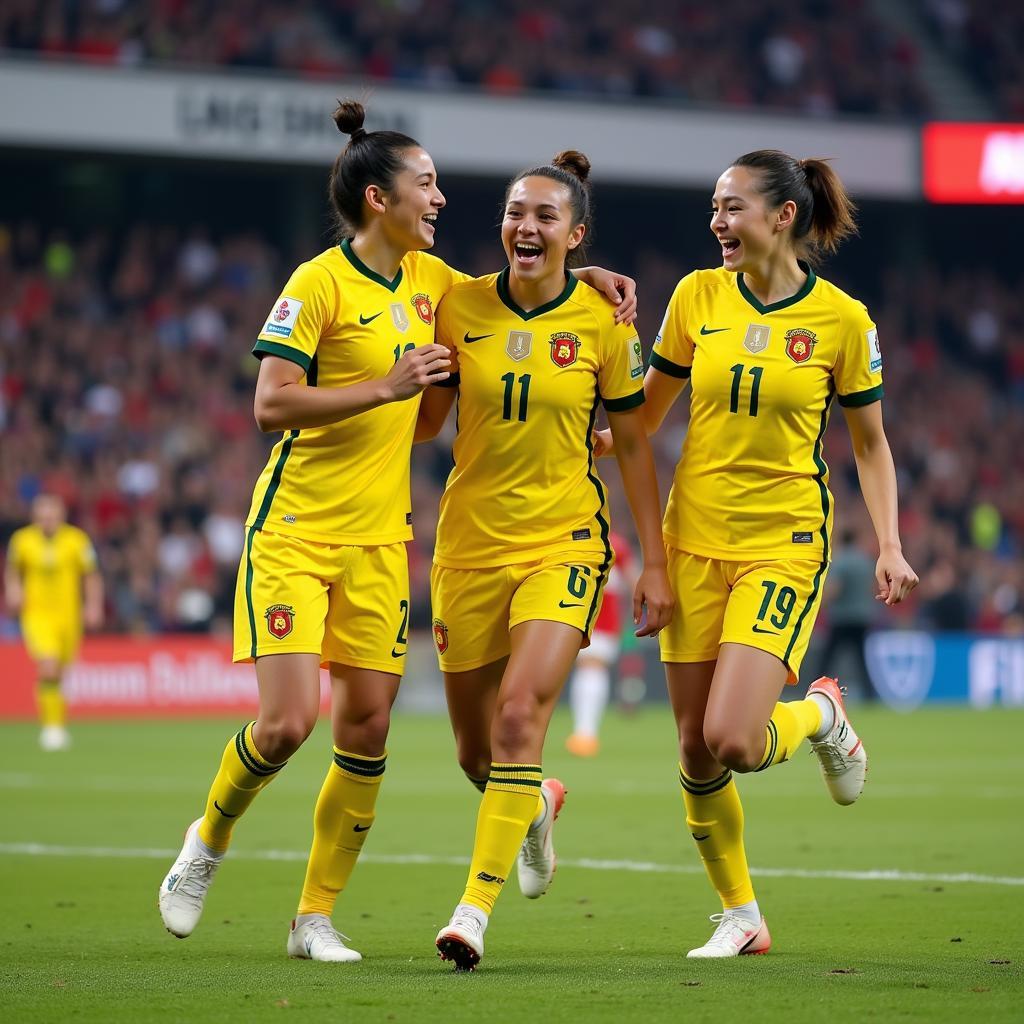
361, 828
364, 320
469, 338
700, 839
758, 629
712, 330
563, 604
397, 654
222, 811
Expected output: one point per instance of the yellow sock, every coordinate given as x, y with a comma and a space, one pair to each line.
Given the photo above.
508, 806
50, 701
343, 816
242, 774
788, 727
480, 784
714, 816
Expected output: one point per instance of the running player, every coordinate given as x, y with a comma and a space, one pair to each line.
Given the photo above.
768, 345
50, 564
590, 685
323, 581
522, 552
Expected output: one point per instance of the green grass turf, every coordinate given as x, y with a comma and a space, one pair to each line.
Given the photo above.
81, 938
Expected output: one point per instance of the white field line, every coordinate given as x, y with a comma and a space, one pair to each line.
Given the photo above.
641, 867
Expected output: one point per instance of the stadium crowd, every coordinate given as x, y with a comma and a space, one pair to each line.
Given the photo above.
126, 387
816, 57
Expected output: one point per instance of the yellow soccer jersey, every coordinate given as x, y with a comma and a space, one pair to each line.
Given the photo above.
524, 483
51, 570
751, 482
348, 482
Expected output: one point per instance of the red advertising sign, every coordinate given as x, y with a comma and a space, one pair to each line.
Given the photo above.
128, 677
973, 163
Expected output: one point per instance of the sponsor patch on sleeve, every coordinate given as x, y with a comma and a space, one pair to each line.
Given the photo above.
636, 358
874, 351
282, 320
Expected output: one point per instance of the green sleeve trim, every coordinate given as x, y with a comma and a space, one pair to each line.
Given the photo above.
859, 398
450, 382
666, 366
624, 404
272, 348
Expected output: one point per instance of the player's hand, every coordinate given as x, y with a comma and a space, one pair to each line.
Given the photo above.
416, 370
895, 578
602, 442
654, 591
619, 289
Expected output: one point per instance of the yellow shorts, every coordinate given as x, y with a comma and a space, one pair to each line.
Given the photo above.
50, 637
474, 609
346, 603
769, 604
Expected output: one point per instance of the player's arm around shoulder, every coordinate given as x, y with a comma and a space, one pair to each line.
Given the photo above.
438, 399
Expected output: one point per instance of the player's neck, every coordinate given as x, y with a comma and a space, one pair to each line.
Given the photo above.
775, 280
378, 252
529, 295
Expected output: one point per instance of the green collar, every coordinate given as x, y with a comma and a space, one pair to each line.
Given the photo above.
346, 248
506, 297
805, 290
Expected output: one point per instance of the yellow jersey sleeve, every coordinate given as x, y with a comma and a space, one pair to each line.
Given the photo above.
673, 347
300, 317
620, 375
858, 368
15, 556
85, 553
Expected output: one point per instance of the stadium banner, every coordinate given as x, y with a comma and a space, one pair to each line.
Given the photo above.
973, 163
117, 677
281, 120
194, 676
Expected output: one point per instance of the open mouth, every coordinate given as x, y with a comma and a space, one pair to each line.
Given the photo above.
729, 245
430, 219
527, 253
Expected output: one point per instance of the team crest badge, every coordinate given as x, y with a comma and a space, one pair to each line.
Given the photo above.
424, 310
565, 349
800, 344
280, 620
440, 636
519, 345
399, 316
756, 340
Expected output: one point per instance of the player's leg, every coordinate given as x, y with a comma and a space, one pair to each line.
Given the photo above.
516, 797
43, 641
589, 689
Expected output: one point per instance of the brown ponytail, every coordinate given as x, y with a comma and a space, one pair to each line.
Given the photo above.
832, 209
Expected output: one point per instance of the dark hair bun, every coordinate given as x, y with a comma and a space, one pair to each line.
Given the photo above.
574, 162
349, 118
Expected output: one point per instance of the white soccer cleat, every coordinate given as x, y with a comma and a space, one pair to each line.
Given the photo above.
317, 939
54, 737
841, 755
184, 888
536, 862
734, 936
462, 939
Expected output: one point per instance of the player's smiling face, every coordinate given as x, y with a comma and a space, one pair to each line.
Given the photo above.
537, 230
747, 230
413, 202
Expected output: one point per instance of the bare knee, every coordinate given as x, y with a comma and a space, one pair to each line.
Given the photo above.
697, 760
733, 751
278, 738
474, 760
515, 733
366, 733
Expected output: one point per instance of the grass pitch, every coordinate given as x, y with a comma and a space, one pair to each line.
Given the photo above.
905, 907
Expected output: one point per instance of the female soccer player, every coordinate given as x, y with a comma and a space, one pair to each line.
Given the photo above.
522, 551
323, 581
767, 345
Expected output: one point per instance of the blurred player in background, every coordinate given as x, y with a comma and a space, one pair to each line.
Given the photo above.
323, 580
590, 685
768, 345
522, 552
50, 566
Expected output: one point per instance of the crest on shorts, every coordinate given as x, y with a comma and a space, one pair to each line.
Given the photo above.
800, 344
565, 349
424, 310
399, 316
756, 340
440, 636
280, 620
519, 344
